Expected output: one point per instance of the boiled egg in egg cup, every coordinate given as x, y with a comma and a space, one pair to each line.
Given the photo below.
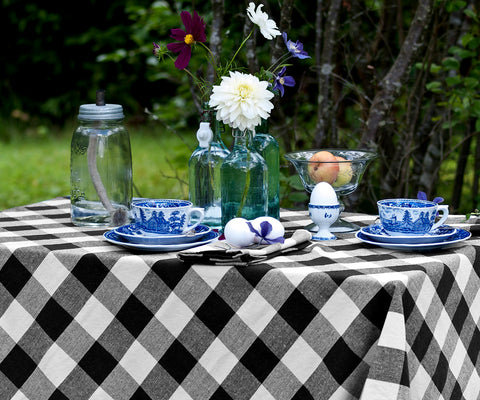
239, 232
324, 210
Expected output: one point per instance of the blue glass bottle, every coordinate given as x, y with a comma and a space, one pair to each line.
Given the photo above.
267, 146
243, 180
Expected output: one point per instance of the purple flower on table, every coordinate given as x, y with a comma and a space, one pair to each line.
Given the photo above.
265, 229
194, 32
281, 80
423, 196
295, 48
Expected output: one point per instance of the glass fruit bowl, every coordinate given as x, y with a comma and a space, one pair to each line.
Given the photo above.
344, 172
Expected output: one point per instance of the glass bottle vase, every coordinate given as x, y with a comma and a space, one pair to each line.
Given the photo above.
204, 170
243, 180
267, 146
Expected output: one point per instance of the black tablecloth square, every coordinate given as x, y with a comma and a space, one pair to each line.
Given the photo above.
259, 360
461, 314
303, 394
473, 349
177, 361
90, 271
58, 395
377, 308
298, 311
422, 341
98, 363
255, 275
445, 285
341, 361
53, 319
441, 373
221, 394
170, 271
140, 394
14, 276
215, 313
17, 366
134, 315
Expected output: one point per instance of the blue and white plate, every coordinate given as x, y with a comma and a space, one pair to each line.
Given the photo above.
378, 233
134, 234
112, 237
459, 236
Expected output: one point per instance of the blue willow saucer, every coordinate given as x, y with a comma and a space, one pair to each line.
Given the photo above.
134, 234
378, 233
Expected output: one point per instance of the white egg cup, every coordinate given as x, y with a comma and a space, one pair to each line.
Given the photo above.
324, 216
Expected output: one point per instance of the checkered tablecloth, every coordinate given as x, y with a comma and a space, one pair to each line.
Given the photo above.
83, 319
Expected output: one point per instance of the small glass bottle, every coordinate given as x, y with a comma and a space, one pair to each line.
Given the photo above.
267, 146
244, 180
100, 166
204, 170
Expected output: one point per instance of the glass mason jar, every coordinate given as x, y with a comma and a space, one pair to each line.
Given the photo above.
100, 167
204, 170
243, 180
267, 146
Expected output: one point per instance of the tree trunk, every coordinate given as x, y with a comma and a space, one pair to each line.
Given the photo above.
391, 84
325, 68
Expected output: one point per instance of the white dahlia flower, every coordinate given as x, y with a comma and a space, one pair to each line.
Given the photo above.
241, 100
268, 27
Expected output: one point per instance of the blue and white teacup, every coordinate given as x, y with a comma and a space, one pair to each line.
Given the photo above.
410, 216
166, 216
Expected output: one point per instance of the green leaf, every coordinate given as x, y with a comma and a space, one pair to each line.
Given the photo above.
477, 125
434, 86
451, 63
453, 80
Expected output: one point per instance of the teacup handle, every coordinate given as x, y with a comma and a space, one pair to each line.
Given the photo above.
201, 215
444, 210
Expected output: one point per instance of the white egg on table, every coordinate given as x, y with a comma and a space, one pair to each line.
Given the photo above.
238, 233
323, 194
277, 231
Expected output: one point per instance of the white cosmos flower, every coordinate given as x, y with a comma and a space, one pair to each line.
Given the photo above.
241, 100
267, 26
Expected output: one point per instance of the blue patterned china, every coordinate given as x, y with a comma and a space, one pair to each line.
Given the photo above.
113, 238
166, 216
458, 237
135, 234
378, 233
410, 216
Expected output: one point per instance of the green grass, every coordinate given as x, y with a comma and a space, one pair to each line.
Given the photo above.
35, 168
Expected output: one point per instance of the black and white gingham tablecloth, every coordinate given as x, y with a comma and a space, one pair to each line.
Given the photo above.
83, 319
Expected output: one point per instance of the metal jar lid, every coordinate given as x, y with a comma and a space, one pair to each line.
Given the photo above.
92, 112
100, 111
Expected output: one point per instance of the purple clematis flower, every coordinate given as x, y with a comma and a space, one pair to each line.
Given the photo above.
281, 81
265, 229
295, 49
423, 196
194, 32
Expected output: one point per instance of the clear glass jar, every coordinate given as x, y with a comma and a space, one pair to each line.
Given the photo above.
204, 170
100, 167
243, 180
267, 146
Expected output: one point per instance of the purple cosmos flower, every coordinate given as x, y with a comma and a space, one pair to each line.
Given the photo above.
295, 49
281, 81
194, 32
265, 229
